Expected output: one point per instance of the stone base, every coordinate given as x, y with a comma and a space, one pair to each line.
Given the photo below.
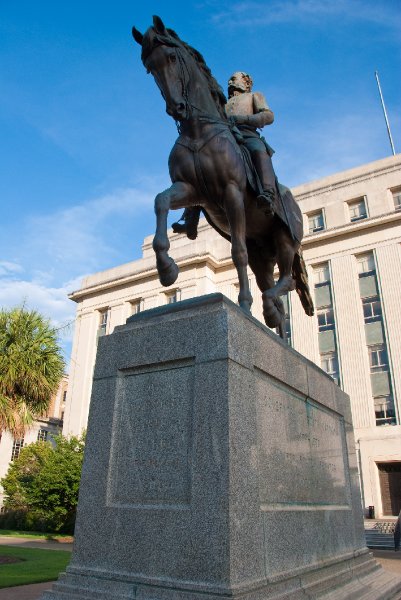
351, 579
219, 462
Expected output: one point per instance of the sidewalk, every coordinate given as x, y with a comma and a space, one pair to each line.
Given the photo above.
389, 560
25, 592
32, 543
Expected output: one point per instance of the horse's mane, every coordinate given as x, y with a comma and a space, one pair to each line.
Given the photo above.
215, 89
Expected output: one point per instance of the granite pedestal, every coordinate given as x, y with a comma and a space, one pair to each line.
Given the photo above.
219, 463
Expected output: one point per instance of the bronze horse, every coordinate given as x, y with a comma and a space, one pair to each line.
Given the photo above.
207, 170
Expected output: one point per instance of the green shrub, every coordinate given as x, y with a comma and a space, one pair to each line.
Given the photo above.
41, 486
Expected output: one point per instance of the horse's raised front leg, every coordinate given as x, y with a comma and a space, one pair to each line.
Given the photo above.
177, 196
234, 207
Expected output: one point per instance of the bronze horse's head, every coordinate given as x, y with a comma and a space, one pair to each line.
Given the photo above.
162, 56
185, 81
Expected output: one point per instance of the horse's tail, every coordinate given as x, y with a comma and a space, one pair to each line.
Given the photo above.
300, 275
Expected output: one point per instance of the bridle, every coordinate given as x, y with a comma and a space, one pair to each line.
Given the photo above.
183, 77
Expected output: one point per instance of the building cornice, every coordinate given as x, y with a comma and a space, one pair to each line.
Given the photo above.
205, 259
346, 178
354, 228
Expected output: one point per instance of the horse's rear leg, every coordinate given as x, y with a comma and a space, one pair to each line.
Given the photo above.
286, 248
176, 196
263, 268
234, 207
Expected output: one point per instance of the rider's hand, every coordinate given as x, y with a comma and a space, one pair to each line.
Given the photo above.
240, 119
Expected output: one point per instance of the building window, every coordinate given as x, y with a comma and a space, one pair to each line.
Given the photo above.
397, 199
103, 318
366, 264
380, 377
326, 322
325, 319
173, 297
316, 221
321, 274
384, 411
372, 309
136, 307
42, 435
329, 364
64, 396
17, 446
322, 286
357, 210
378, 358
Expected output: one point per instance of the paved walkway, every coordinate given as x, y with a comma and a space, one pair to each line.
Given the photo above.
390, 561
27, 542
25, 592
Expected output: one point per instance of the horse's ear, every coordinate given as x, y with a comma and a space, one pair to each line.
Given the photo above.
159, 25
137, 35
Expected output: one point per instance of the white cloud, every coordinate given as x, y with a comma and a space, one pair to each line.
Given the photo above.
8, 268
74, 233
258, 14
52, 302
82, 238
57, 250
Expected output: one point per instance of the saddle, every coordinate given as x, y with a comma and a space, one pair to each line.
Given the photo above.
286, 207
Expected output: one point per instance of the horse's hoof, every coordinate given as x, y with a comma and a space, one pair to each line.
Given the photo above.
272, 321
168, 275
271, 314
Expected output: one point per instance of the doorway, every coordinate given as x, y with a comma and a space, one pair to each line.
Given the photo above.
390, 487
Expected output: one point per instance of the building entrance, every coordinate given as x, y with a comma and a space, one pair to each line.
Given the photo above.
390, 487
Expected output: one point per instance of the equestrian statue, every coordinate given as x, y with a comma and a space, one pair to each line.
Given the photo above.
222, 167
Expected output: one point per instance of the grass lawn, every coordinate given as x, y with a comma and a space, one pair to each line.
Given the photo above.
36, 565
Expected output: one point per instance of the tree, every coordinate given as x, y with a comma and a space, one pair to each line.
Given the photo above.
31, 367
41, 486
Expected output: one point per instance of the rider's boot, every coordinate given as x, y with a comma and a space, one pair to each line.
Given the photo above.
266, 201
190, 216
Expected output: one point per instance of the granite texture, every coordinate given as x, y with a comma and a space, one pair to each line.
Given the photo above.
218, 462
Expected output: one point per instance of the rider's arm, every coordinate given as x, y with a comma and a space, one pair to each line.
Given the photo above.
260, 119
262, 114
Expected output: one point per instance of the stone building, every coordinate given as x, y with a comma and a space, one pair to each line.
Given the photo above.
352, 248
48, 425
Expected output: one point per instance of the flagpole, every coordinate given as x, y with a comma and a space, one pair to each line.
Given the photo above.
385, 113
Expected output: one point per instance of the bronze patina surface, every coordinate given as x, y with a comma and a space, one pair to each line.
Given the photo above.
209, 172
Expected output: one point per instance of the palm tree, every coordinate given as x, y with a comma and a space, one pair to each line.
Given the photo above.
31, 367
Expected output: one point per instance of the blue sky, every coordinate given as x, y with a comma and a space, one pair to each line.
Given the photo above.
85, 138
